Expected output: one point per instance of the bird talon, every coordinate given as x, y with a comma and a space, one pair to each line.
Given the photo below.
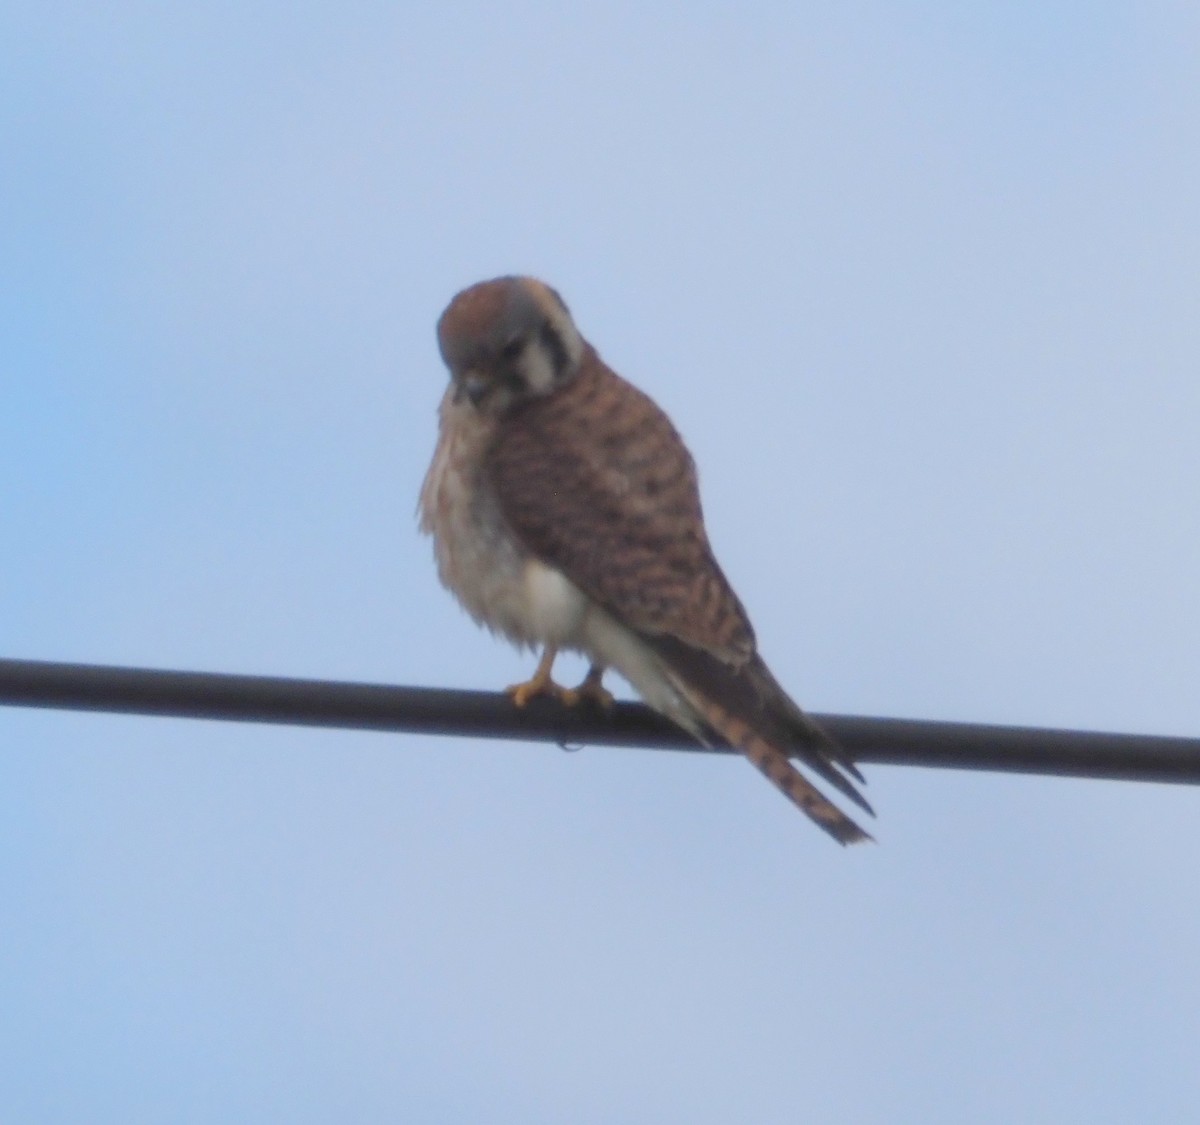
521, 694
598, 695
591, 691
539, 683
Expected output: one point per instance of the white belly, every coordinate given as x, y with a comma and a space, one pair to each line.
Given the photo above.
478, 559
502, 587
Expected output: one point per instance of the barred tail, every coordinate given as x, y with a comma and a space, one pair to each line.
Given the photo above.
775, 766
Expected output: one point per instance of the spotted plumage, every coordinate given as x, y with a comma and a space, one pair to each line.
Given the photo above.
565, 514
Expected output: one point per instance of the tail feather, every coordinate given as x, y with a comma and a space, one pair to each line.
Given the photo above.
748, 709
804, 731
816, 749
810, 732
774, 764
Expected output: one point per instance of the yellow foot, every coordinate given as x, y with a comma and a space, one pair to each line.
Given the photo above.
540, 685
591, 691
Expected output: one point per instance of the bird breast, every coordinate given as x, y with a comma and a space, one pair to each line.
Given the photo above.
478, 558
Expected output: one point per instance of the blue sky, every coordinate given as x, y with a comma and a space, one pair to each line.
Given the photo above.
917, 284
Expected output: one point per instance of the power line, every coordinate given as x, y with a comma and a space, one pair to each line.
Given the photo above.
477, 714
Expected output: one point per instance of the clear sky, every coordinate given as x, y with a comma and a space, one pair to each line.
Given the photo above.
918, 283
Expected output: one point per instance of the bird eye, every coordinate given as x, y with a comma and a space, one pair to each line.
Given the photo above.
513, 348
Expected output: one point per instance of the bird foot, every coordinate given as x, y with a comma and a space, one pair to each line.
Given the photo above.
521, 694
590, 691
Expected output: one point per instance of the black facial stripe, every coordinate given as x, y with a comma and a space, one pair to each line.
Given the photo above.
557, 350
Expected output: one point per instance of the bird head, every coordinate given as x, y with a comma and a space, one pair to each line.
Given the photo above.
508, 340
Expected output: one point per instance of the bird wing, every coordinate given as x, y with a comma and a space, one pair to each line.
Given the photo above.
595, 481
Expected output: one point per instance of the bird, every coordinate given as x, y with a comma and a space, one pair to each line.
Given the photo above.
565, 514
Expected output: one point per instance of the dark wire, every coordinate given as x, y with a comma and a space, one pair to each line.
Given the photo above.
476, 714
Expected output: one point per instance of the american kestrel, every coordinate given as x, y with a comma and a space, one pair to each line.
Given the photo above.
565, 513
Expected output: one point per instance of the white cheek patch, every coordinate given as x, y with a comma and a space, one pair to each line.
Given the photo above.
537, 369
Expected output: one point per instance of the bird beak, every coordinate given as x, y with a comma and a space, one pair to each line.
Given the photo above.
474, 385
